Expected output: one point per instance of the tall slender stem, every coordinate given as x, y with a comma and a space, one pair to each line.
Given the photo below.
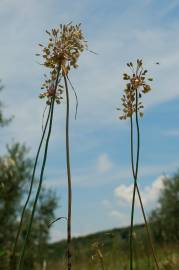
135, 175
148, 229
69, 255
29, 193
133, 198
138, 139
20, 265
140, 199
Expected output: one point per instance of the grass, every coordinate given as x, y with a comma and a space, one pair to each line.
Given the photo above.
114, 248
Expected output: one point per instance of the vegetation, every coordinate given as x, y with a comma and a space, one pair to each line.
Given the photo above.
114, 247
15, 171
60, 55
165, 218
113, 244
27, 209
137, 85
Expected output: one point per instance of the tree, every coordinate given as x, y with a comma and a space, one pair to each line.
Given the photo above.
165, 219
37, 251
15, 169
15, 174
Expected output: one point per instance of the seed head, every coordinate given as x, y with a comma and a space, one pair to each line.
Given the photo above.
49, 86
61, 54
135, 88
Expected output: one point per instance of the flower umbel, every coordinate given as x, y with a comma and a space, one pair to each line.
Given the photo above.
137, 84
61, 53
49, 85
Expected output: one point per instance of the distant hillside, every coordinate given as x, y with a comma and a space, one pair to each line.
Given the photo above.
107, 239
109, 250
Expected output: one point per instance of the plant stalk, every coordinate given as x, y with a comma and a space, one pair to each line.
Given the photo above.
133, 198
69, 255
135, 175
20, 265
29, 193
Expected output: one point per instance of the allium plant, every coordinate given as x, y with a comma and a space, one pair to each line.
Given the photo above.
60, 55
98, 255
137, 85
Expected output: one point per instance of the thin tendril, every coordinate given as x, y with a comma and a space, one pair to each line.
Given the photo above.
91, 51
43, 115
76, 111
57, 219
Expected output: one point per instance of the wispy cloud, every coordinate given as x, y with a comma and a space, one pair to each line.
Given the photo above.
104, 164
149, 194
91, 176
105, 69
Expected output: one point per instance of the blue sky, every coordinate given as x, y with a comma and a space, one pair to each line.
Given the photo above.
119, 31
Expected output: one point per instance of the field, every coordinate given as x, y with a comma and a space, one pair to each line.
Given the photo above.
109, 250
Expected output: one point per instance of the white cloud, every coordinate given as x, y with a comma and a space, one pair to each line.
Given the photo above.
124, 193
149, 193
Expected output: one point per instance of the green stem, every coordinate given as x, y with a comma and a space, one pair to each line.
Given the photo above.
135, 175
148, 230
20, 265
140, 199
69, 255
138, 139
29, 193
102, 264
132, 151
133, 199
132, 210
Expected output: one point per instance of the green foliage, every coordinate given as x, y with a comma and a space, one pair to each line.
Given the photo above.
15, 173
114, 248
165, 219
37, 250
45, 213
15, 169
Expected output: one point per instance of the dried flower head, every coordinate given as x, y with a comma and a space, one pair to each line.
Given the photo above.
135, 87
49, 86
61, 54
96, 247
